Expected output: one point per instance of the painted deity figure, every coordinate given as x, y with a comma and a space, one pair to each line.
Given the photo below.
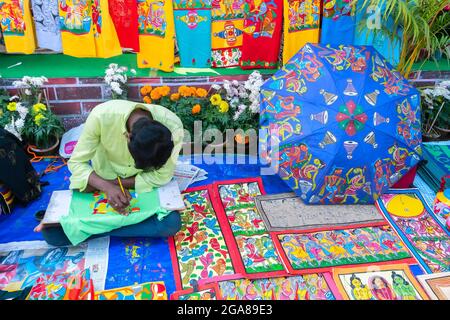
359, 290
380, 288
403, 289
332, 185
355, 183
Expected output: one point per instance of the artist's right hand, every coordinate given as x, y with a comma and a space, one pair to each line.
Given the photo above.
116, 199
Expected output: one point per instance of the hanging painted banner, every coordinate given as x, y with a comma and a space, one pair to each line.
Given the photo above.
125, 18
419, 228
156, 35
46, 21
193, 32
338, 22
17, 26
301, 25
87, 29
199, 250
262, 34
227, 32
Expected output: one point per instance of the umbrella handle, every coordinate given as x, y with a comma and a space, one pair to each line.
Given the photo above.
441, 189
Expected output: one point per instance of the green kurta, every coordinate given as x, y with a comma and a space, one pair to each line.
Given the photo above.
104, 143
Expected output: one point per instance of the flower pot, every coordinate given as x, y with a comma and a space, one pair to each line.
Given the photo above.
44, 152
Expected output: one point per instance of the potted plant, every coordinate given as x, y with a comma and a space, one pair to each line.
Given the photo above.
12, 114
436, 110
42, 130
191, 105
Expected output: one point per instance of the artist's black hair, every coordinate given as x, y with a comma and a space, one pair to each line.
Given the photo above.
150, 144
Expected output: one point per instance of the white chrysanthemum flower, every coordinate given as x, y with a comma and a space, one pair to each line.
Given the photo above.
133, 71
19, 124
115, 86
23, 111
13, 98
216, 86
113, 66
235, 83
11, 128
28, 92
254, 107
242, 107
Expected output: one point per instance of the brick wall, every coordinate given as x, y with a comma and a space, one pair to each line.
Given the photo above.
73, 98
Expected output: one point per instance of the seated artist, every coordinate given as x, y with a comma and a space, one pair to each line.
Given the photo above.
140, 144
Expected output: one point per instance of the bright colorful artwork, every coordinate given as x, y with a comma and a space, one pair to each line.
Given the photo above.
324, 118
338, 23
63, 286
248, 234
303, 15
75, 16
23, 263
388, 282
436, 285
12, 17
393, 82
144, 291
151, 17
227, 30
342, 247
206, 292
199, 250
418, 227
306, 287
100, 204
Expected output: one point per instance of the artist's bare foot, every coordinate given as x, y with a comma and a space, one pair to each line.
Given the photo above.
39, 227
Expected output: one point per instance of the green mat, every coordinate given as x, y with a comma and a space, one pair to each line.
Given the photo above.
59, 65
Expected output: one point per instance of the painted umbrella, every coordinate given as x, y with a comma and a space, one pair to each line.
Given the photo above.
342, 125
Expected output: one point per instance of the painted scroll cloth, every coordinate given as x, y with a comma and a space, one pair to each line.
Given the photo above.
262, 34
156, 35
389, 282
199, 249
342, 247
227, 32
125, 19
87, 29
305, 287
193, 32
301, 25
424, 235
256, 248
338, 22
22, 263
286, 211
17, 26
144, 291
140, 260
436, 285
206, 292
63, 286
46, 21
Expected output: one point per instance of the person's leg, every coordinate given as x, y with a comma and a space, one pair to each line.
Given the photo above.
151, 227
55, 236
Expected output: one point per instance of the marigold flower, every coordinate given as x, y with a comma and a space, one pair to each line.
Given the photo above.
12, 106
164, 91
38, 107
201, 93
145, 90
196, 109
223, 106
155, 94
216, 99
175, 96
38, 118
147, 99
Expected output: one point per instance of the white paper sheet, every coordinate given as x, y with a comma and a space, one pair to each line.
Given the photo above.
58, 206
170, 196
